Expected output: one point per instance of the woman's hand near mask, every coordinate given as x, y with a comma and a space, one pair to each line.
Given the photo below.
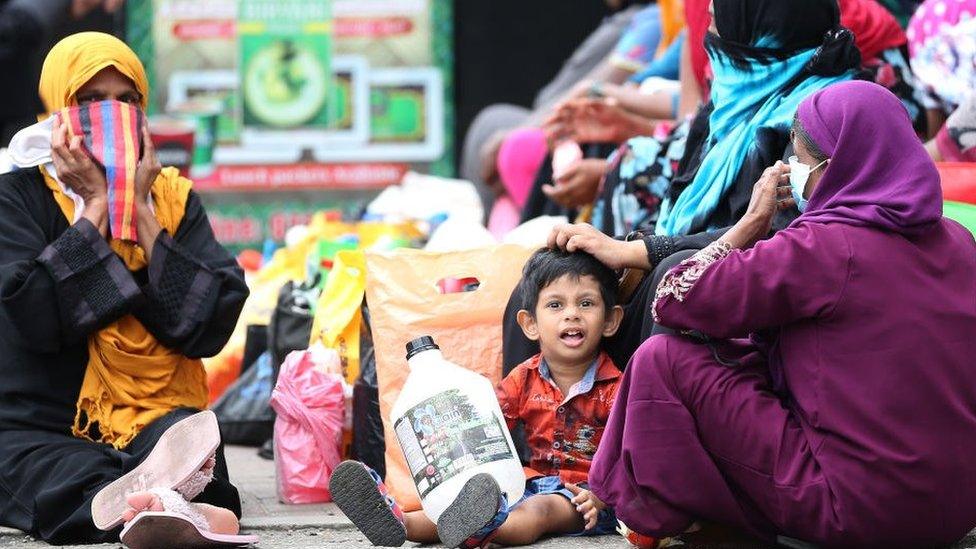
79, 172
770, 195
146, 172
615, 254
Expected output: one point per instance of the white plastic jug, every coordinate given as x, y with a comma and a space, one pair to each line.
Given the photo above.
450, 428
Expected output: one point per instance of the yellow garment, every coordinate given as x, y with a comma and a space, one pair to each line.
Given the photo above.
72, 62
672, 22
131, 378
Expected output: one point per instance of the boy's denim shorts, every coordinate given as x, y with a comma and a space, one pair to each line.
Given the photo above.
540, 486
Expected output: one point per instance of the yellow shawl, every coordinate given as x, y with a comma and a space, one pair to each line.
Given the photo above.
131, 378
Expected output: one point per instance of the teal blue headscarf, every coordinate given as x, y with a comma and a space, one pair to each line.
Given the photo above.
761, 94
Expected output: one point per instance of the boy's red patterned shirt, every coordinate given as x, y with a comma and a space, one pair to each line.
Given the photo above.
562, 431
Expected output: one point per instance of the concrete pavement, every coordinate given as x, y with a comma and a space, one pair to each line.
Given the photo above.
287, 526
322, 525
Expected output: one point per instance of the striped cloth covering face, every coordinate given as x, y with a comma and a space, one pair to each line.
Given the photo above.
112, 135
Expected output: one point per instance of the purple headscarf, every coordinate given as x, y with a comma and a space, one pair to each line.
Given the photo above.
879, 173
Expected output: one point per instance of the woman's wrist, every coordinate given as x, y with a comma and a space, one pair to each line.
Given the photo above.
745, 233
147, 226
145, 215
611, 91
634, 255
640, 126
96, 212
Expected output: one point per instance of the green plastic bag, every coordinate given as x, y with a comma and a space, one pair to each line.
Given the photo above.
964, 214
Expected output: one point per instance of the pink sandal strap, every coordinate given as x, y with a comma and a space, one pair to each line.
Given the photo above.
174, 503
196, 484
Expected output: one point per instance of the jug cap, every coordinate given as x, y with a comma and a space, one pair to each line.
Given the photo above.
419, 345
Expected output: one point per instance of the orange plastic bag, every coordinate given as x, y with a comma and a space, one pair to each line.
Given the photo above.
402, 290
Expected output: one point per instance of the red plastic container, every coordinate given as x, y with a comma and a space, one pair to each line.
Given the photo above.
958, 181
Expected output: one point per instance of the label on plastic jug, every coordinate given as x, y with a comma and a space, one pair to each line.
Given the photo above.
445, 435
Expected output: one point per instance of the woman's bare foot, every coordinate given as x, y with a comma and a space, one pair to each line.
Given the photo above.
221, 521
139, 502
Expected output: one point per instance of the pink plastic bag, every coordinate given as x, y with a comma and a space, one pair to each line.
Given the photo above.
308, 430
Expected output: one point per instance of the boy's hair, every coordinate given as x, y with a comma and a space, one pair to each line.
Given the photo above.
547, 265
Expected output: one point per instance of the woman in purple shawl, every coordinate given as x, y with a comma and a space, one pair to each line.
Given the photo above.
849, 416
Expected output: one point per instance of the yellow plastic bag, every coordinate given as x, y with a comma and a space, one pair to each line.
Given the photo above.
338, 315
405, 303
382, 235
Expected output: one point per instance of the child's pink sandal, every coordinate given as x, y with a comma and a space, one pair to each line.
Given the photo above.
182, 460
180, 525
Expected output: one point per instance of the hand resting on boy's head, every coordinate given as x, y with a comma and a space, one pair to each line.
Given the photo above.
615, 254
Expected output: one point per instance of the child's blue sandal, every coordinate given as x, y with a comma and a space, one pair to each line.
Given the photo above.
363, 498
475, 515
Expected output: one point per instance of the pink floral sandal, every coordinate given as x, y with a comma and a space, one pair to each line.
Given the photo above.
182, 460
180, 525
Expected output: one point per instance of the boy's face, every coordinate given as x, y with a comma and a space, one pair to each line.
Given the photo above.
570, 319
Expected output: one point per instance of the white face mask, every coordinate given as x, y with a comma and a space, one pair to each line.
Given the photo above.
799, 175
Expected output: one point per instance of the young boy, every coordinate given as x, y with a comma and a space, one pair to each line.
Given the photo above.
562, 396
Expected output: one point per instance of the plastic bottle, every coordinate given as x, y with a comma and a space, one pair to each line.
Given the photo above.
450, 428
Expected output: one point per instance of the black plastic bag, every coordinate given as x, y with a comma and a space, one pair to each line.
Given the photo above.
291, 322
255, 345
244, 411
368, 441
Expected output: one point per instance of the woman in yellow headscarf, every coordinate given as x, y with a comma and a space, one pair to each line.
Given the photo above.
101, 332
